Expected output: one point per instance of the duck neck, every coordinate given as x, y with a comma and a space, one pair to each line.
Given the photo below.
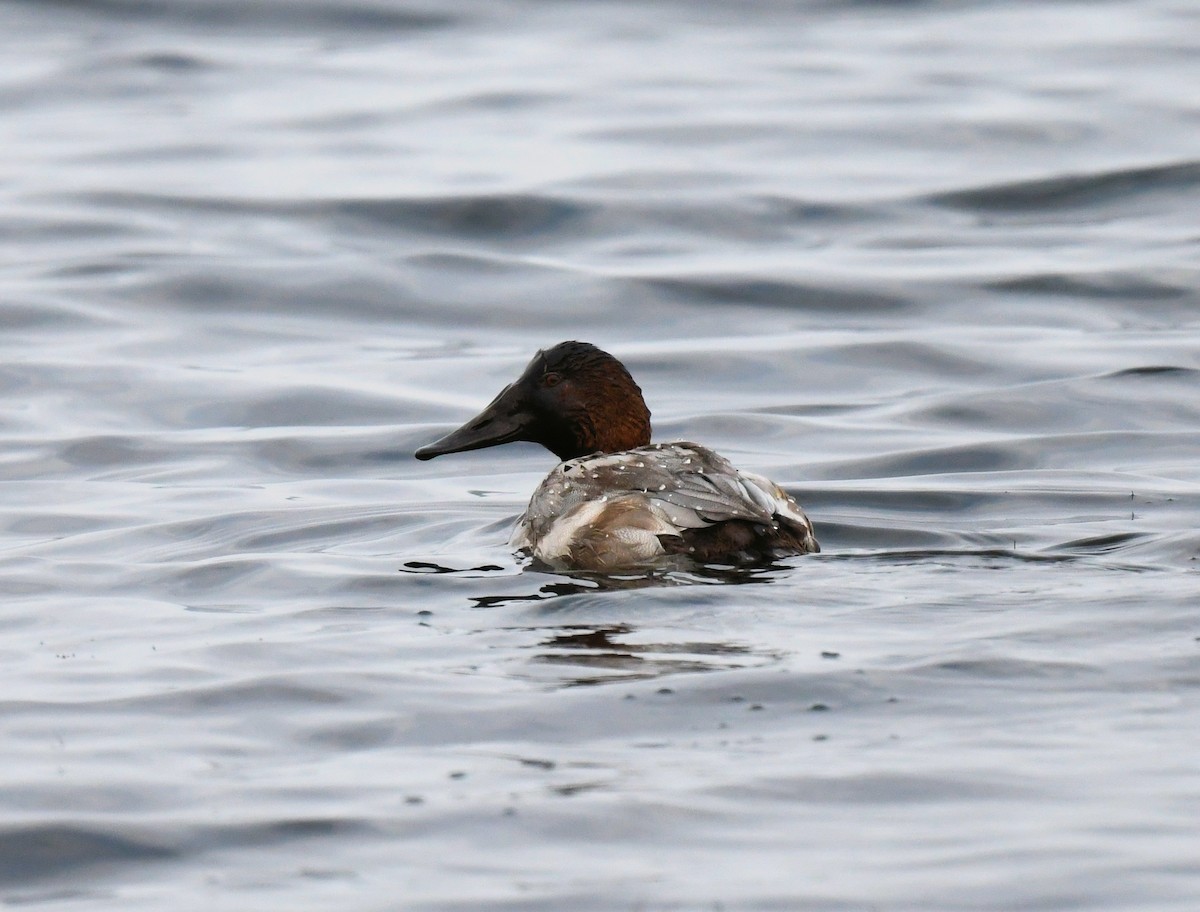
618, 429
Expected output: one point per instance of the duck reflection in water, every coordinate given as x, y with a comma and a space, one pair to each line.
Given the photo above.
616, 501
608, 659
602, 653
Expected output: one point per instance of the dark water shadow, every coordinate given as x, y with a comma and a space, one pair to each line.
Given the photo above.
223, 15
430, 567
600, 655
1074, 190
917, 555
1097, 551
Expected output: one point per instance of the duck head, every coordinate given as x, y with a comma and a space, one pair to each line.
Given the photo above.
573, 399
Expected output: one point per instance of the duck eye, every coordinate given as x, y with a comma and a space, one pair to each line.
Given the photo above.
551, 379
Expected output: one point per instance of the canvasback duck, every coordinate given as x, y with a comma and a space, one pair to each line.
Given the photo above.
616, 501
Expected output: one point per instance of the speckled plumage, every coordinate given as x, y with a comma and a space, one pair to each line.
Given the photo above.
614, 510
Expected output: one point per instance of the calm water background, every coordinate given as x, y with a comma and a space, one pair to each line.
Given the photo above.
932, 266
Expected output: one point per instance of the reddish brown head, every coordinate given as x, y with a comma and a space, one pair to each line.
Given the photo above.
573, 399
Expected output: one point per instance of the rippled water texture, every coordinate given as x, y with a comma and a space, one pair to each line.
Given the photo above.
931, 266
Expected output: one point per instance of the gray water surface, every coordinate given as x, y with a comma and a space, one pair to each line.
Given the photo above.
933, 267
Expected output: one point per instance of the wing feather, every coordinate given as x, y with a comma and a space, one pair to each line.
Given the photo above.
685, 485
